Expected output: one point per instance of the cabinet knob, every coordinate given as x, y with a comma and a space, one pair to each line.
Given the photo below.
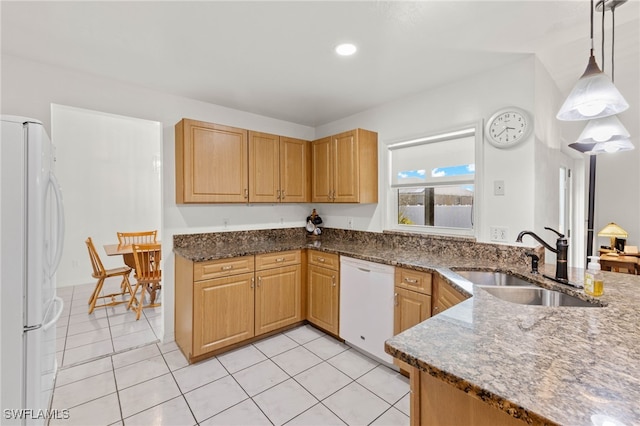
253, 280
227, 267
278, 194
283, 194
246, 193
259, 281
333, 280
395, 299
280, 259
410, 281
320, 259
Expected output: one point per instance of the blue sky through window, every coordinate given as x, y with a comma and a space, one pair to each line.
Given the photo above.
461, 170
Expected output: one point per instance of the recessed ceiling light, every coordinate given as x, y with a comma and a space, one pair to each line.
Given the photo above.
346, 49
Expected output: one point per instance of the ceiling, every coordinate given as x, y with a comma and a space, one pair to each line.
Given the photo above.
276, 58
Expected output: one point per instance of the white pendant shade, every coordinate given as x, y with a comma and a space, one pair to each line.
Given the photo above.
593, 96
603, 130
612, 146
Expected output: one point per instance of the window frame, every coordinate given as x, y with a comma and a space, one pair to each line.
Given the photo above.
464, 130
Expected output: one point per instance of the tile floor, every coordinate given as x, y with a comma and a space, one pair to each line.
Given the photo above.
299, 377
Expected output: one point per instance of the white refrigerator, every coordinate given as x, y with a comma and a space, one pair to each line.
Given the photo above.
32, 231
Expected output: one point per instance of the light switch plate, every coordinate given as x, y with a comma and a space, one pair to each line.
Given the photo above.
498, 187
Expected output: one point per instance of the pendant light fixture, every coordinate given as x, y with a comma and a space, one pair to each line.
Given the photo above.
594, 95
605, 134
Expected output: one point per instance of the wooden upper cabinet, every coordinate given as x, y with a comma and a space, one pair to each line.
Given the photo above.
278, 169
295, 162
264, 167
321, 171
211, 163
345, 168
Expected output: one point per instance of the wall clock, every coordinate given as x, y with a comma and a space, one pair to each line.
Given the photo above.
508, 127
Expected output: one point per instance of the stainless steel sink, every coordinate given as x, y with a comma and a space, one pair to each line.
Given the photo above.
536, 296
493, 278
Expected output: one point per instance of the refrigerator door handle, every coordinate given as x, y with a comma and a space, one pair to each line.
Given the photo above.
60, 231
57, 315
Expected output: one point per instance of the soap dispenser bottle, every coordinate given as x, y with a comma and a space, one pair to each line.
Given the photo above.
593, 280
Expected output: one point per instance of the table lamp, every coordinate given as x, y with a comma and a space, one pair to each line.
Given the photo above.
613, 231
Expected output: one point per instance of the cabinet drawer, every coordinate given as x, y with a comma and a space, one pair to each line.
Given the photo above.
326, 260
222, 268
275, 260
413, 280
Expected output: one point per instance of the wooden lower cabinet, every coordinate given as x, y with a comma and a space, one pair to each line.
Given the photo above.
444, 295
411, 308
225, 302
434, 402
223, 312
323, 291
277, 298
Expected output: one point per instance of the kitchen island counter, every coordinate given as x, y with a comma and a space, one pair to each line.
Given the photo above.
545, 365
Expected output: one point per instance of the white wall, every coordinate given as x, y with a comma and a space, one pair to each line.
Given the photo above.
29, 88
461, 103
109, 168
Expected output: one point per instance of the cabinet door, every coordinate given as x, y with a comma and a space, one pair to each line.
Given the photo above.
223, 312
211, 163
346, 173
321, 171
444, 295
323, 305
294, 170
277, 298
411, 308
264, 167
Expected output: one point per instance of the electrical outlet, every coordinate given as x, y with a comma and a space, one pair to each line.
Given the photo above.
225, 222
498, 187
498, 233
350, 222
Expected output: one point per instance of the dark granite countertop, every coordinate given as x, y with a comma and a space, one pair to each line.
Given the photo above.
546, 365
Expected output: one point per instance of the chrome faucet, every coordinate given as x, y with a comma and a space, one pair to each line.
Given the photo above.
561, 250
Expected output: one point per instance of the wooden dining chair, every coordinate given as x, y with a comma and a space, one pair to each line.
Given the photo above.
147, 274
101, 274
145, 237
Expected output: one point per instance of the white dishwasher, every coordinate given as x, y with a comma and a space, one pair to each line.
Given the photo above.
366, 305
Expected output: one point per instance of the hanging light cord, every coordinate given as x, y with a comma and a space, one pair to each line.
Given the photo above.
602, 47
591, 27
613, 37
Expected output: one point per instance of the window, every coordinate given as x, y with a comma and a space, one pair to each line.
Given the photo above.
433, 182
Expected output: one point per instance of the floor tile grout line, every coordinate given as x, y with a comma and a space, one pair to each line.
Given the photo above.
115, 381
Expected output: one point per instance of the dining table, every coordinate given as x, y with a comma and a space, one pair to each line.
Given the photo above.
126, 251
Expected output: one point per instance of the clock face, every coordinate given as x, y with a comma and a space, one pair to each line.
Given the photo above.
508, 127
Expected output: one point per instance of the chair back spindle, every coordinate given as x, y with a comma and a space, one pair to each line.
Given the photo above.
145, 237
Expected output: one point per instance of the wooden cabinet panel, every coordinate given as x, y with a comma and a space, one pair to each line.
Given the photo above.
345, 168
445, 296
277, 298
323, 305
211, 163
264, 168
413, 280
326, 260
295, 162
278, 259
222, 268
321, 171
223, 312
346, 175
411, 308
